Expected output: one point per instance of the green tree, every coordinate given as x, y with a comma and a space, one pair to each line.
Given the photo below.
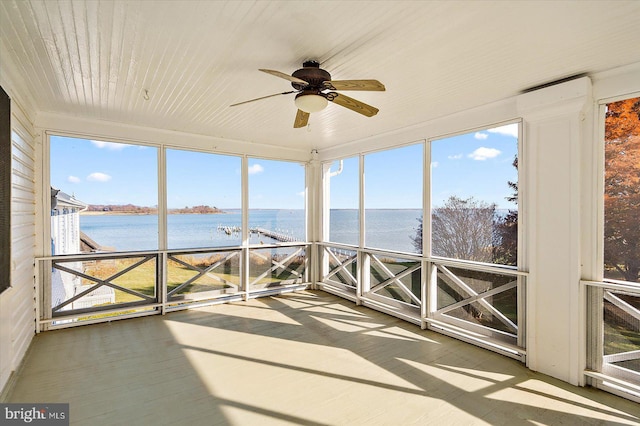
416, 239
505, 244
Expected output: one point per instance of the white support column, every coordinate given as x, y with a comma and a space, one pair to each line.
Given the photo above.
163, 241
364, 264
325, 218
163, 238
244, 260
314, 208
555, 133
429, 281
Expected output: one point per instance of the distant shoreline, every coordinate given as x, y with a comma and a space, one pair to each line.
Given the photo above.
124, 213
134, 210
178, 212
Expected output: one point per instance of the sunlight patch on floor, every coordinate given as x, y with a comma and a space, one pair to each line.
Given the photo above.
274, 363
253, 310
297, 302
490, 375
400, 334
346, 325
537, 393
459, 380
360, 323
335, 310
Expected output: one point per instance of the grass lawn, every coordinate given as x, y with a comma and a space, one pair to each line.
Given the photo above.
142, 278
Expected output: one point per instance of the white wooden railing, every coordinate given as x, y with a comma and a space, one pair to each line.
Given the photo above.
90, 288
480, 303
613, 360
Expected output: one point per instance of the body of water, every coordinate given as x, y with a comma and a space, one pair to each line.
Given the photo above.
387, 229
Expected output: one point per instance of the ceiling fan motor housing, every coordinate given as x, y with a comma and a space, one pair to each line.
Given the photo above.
312, 74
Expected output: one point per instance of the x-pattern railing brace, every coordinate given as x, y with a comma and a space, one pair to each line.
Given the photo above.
631, 310
201, 272
396, 279
99, 283
471, 292
284, 264
477, 297
342, 267
622, 356
635, 313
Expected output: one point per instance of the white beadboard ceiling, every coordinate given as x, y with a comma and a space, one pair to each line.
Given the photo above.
94, 59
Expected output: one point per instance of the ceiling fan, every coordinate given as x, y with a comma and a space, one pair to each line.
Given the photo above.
314, 90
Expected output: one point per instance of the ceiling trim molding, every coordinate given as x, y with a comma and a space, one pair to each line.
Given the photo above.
112, 131
617, 82
556, 100
469, 120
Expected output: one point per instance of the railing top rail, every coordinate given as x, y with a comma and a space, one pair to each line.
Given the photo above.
382, 252
142, 253
394, 254
478, 266
464, 264
337, 245
614, 285
94, 256
279, 245
200, 250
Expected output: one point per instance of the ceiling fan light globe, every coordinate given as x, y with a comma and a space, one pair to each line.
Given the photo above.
311, 103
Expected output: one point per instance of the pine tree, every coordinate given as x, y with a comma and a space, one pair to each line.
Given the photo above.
505, 244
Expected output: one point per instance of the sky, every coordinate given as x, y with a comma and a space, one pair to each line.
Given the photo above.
97, 172
477, 164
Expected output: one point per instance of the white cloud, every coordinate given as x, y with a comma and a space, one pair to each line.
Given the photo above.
434, 164
98, 177
508, 130
109, 145
483, 153
455, 157
302, 193
256, 168
481, 136
73, 179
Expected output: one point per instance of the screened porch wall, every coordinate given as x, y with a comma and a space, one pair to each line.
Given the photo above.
554, 130
562, 201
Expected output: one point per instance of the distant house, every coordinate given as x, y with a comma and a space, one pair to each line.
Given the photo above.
66, 238
65, 223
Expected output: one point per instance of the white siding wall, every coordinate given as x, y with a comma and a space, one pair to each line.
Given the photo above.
65, 230
17, 306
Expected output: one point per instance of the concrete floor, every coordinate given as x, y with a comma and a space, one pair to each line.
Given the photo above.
303, 358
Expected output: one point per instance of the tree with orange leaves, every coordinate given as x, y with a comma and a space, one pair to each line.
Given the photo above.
622, 190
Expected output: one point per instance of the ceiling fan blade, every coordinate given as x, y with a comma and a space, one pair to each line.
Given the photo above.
302, 118
371, 85
285, 76
264, 97
352, 104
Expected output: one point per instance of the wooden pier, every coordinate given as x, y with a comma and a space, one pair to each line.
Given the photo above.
278, 236
283, 237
